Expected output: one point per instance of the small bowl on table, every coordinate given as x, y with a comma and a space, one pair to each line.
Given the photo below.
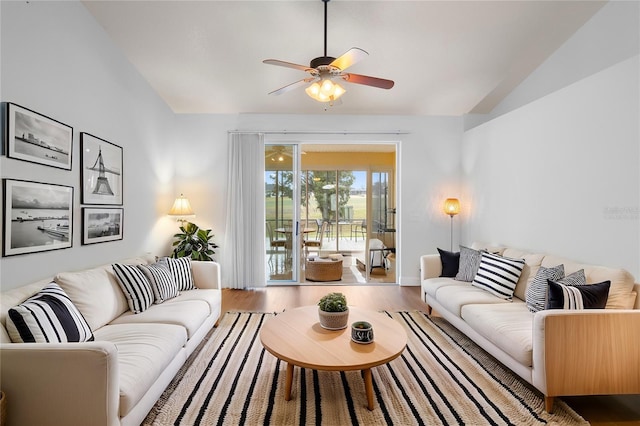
362, 332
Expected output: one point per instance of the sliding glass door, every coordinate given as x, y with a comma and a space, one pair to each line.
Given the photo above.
281, 201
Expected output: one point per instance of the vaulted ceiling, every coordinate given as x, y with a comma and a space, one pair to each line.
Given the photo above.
446, 57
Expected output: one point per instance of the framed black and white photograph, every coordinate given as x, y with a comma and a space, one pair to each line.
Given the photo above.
101, 172
37, 217
33, 137
100, 225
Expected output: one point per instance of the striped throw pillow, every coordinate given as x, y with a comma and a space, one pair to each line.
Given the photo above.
162, 283
536, 295
468, 265
135, 286
576, 278
181, 271
47, 317
498, 275
575, 297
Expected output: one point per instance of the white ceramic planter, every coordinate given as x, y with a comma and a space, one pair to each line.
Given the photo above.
333, 320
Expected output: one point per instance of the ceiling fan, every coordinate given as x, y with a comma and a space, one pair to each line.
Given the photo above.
325, 69
277, 153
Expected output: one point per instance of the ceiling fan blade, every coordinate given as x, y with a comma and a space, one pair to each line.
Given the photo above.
292, 86
368, 81
286, 64
352, 56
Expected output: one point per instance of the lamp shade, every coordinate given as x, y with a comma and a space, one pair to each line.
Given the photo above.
452, 206
181, 207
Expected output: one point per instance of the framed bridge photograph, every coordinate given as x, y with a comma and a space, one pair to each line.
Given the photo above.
36, 138
101, 171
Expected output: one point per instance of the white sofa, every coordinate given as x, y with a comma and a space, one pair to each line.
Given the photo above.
116, 379
559, 352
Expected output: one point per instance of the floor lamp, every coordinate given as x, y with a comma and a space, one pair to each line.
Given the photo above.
452, 208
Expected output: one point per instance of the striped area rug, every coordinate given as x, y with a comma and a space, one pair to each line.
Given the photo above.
441, 378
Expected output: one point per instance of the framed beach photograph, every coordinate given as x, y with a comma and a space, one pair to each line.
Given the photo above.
33, 137
101, 171
100, 225
37, 217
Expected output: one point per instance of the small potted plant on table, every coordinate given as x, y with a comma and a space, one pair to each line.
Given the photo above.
333, 311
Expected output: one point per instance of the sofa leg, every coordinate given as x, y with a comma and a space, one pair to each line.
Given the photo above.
429, 310
548, 404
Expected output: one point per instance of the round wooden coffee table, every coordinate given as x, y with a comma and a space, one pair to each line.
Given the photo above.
296, 337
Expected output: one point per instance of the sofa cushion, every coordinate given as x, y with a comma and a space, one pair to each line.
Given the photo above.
181, 271
622, 281
532, 263
575, 297
212, 297
189, 314
144, 352
96, 293
480, 246
454, 297
508, 326
431, 285
135, 286
47, 317
450, 263
163, 284
536, 297
498, 275
469, 263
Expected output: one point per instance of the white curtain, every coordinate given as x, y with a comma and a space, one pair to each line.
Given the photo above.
244, 248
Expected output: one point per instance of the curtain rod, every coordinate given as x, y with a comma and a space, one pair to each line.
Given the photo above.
328, 132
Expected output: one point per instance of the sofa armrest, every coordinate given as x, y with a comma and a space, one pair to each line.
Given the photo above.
588, 352
60, 384
206, 274
430, 266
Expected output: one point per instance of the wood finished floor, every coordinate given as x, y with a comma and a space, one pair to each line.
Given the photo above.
598, 410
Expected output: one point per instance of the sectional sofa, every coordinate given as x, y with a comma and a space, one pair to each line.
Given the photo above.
560, 352
116, 377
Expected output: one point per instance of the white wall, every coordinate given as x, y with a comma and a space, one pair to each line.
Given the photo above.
560, 175
57, 61
611, 36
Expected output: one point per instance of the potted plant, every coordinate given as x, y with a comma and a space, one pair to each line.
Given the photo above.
194, 242
333, 311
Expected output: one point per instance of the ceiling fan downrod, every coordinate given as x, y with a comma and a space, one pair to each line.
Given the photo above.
323, 60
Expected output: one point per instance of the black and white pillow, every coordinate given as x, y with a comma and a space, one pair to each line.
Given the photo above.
181, 270
576, 278
162, 283
47, 317
450, 263
536, 295
135, 286
498, 275
469, 263
575, 297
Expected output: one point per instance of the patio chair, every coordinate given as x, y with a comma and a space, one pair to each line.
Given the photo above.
319, 223
317, 243
274, 243
359, 228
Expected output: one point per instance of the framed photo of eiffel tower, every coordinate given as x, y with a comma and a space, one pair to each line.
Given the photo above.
101, 171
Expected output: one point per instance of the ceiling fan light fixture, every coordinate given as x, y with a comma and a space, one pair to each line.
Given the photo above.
328, 91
